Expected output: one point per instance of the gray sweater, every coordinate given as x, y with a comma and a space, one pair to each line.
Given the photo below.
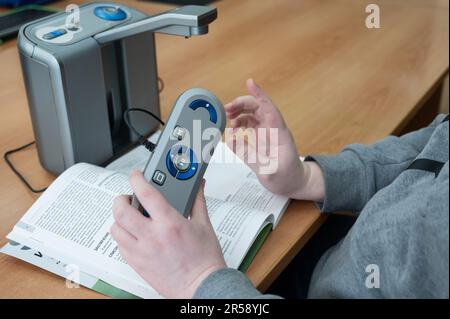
399, 245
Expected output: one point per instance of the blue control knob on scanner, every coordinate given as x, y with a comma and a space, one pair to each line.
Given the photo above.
110, 13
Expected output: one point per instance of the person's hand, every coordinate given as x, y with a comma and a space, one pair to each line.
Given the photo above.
274, 158
172, 253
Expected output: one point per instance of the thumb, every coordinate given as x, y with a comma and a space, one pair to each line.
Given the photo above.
199, 210
258, 93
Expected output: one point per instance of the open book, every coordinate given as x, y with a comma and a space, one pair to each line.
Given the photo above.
66, 231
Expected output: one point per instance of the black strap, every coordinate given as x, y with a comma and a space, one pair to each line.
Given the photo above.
427, 165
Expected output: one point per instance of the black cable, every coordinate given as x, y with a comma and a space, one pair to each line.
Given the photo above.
141, 138
23, 179
126, 118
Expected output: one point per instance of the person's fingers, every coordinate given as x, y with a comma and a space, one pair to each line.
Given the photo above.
122, 237
272, 115
244, 121
258, 93
151, 199
245, 130
241, 105
199, 210
128, 217
261, 97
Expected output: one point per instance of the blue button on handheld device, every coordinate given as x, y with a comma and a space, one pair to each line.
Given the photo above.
206, 105
110, 13
181, 170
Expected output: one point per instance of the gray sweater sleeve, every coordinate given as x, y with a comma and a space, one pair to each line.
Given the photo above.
228, 283
359, 171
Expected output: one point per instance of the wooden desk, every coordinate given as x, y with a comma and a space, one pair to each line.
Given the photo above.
335, 81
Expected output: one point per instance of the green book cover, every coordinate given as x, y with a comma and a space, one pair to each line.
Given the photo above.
111, 291
259, 241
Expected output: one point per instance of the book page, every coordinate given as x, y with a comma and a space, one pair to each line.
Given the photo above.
236, 228
72, 273
230, 179
71, 221
50, 264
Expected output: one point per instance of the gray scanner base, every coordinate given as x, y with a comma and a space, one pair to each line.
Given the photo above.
77, 91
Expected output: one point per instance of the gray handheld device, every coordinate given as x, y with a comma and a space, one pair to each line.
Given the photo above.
84, 69
178, 163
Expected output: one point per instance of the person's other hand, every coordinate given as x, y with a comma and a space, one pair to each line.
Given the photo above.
172, 253
273, 158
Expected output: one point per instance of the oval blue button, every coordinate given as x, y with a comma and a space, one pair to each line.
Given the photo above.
110, 13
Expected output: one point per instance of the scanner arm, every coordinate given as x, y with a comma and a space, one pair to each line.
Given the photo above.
184, 21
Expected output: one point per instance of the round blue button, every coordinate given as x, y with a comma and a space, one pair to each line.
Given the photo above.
178, 174
110, 13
